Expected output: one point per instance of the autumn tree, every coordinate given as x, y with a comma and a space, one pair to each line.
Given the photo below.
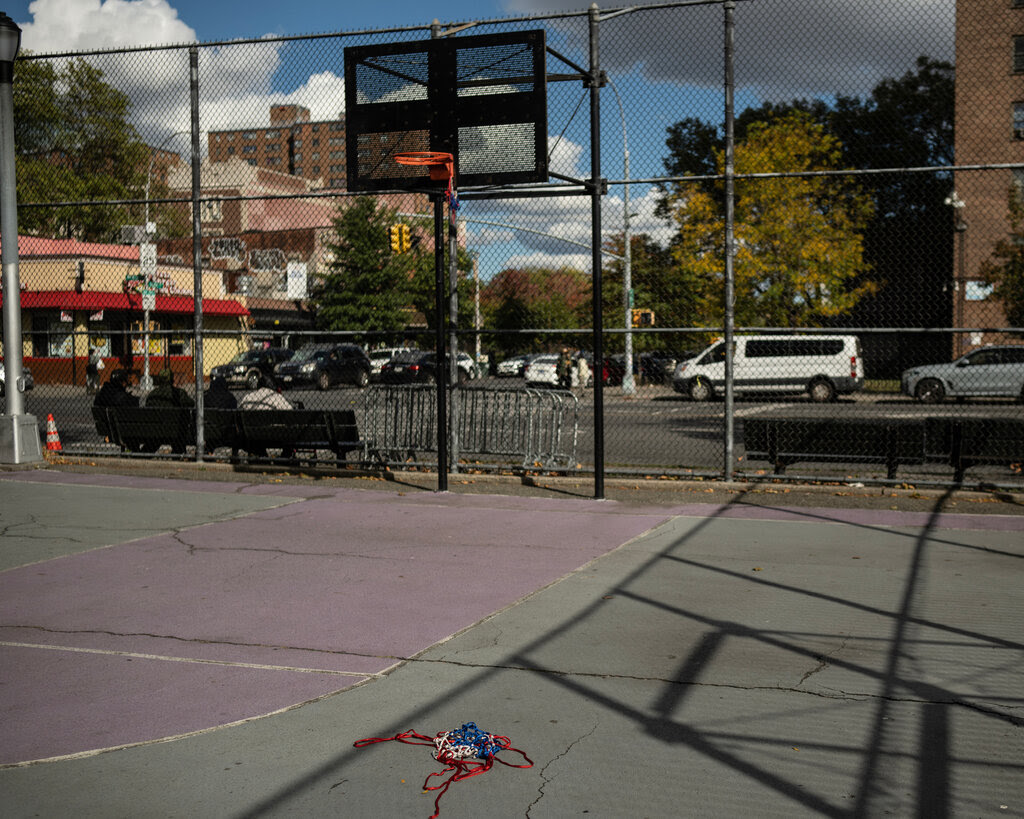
535, 299
74, 143
798, 244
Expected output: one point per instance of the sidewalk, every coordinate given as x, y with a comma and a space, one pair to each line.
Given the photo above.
653, 660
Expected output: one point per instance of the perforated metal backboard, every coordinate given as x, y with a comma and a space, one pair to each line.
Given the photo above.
482, 99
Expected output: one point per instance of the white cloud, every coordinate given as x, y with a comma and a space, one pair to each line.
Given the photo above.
235, 81
549, 260
70, 25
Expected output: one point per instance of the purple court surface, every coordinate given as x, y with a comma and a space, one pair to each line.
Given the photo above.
233, 612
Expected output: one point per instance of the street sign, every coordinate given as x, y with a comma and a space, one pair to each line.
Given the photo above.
147, 260
148, 301
296, 281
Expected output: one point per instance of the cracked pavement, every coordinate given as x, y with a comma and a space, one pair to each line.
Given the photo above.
712, 659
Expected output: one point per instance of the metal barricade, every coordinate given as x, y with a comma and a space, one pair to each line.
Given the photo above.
531, 427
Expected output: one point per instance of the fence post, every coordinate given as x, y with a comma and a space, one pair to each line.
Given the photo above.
730, 215
595, 250
197, 252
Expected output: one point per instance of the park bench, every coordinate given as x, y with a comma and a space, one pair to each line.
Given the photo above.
147, 429
298, 430
784, 441
975, 441
958, 442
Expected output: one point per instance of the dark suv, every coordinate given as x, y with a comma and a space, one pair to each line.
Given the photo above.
324, 365
246, 369
418, 367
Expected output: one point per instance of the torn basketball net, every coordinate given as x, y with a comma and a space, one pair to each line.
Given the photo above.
466, 752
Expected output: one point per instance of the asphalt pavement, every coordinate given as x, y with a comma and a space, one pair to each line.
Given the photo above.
196, 641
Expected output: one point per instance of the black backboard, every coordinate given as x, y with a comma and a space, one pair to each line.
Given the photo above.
482, 99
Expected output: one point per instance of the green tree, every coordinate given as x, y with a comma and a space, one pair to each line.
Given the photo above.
423, 292
659, 284
1005, 269
905, 122
799, 251
366, 286
74, 143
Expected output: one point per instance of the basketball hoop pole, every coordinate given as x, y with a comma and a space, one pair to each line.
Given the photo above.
442, 169
440, 358
453, 322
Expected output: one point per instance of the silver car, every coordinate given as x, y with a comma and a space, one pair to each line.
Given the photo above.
985, 372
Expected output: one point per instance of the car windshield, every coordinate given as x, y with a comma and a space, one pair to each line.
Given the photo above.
309, 353
406, 358
246, 357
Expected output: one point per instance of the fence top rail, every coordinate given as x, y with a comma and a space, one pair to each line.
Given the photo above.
448, 28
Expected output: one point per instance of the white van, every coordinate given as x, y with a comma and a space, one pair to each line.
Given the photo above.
822, 366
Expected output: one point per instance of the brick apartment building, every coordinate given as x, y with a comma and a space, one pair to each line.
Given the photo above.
989, 129
292, 145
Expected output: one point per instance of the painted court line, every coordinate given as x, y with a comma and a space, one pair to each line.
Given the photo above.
196, 660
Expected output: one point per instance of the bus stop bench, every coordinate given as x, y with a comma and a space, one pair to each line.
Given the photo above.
783, 441
146, 429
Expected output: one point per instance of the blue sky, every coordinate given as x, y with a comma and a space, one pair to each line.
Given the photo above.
665, 65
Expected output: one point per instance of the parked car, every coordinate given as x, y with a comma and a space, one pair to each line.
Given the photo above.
986, 372
379, 357
542, 371
418, 367
513, 367
246, 369
26, 374
822, 366
658, 366
325, 365
614, 369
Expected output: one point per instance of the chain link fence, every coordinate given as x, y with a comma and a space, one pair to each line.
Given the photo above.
776, 238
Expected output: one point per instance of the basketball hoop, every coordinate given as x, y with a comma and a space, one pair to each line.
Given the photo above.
442, 169
442, 165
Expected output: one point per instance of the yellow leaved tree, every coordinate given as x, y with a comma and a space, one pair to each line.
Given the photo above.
799, 258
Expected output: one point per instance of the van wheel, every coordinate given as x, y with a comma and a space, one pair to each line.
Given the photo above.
822, 391
362, 379
252, 381
930, 391
323, 381
700, 390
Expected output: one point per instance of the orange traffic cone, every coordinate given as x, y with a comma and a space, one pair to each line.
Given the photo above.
52, 438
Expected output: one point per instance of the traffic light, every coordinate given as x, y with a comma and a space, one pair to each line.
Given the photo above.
642, 318
401, 238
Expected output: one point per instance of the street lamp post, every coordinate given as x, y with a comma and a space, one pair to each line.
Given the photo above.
19, 433
147, 265
959, 279
628, 384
